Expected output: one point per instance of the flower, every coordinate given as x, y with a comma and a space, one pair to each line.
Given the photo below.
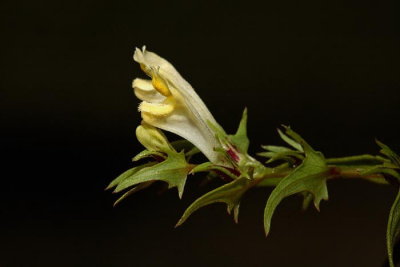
171, 104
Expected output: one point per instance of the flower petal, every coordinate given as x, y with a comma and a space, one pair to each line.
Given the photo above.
180, 124
145, 91
156, 109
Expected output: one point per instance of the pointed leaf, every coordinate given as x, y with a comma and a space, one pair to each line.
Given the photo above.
290, 141
389, 166
276, 148
189, 148
308, 198
290, 156
173, 170
146, 154
240, 139
393, 228
127, 174
230, 194
270, 182
266, 154
209, 166
310, 177
133, 190
383, 170
389, 153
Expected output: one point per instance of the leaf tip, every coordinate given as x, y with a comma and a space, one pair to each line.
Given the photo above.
266, 231
267, 226
179, 223
317, 207
229, 210
180, 194
236, 214
245, 111
108, 187
379, 143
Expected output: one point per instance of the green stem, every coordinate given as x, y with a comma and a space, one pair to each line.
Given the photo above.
352, 159
336, 173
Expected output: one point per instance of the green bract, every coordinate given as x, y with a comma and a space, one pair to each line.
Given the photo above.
309, 177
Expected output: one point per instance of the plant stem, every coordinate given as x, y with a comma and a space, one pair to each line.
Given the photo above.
335, 172
352, 159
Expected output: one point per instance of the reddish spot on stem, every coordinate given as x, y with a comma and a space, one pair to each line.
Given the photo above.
334, 171
233, 154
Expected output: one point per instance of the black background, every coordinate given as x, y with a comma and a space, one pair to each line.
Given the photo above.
330, 69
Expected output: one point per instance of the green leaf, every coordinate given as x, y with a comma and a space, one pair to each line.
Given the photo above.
285, 155
133, 190
276, 149
240, 139
290, 141
127, 174
385, 150
173, 170
393, 228
388, 166
383, 170
185, 145
267, 154
146, 154
310, 177
270, 182
275, 153
208, 166
189, 148
230, 194
308, 198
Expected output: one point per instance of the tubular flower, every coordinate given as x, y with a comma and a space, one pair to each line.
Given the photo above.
171, 104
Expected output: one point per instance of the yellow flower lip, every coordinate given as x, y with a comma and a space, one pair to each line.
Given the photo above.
171, 104
144, 90
157, 109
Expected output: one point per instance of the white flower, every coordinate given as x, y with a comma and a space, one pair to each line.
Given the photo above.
171, 104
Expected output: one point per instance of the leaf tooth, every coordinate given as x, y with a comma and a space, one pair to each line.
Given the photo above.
236, 213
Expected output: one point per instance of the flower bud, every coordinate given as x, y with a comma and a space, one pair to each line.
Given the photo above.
152, 138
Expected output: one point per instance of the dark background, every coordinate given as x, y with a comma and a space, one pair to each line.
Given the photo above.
330, 69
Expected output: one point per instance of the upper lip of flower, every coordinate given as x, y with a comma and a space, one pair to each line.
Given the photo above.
171, 104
